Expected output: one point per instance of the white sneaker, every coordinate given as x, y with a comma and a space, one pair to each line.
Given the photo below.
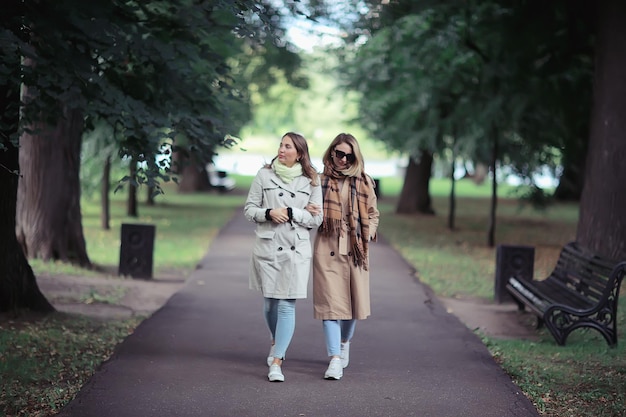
270, 356
275, 374
345, 354
335, 370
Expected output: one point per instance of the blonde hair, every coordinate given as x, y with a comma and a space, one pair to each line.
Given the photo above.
356, 168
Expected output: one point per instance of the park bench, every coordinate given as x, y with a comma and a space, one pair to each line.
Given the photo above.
582, 291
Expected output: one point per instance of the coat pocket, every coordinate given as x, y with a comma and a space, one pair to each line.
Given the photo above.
265, 248
303, 244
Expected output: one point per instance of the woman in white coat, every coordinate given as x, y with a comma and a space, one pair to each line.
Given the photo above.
285, 201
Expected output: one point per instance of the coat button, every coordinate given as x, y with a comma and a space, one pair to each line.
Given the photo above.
332, 253
280, 248
349, 253
280, 194
293, 248
293, 195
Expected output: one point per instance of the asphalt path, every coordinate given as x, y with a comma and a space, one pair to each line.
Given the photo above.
204, 353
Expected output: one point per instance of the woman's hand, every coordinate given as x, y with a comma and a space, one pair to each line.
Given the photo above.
314, 209
279, 215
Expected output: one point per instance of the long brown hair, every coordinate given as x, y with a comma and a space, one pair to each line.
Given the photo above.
308, 170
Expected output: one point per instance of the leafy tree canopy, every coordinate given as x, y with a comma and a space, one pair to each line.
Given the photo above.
153, 70
427, 70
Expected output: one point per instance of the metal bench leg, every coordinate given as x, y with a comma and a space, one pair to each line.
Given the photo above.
561, 323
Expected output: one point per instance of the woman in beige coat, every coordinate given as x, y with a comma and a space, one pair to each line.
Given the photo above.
285, 202
341, 289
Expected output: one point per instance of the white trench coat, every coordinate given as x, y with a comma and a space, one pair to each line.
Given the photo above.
281, 258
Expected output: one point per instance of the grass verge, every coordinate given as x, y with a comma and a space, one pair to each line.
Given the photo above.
585, 378
44, 361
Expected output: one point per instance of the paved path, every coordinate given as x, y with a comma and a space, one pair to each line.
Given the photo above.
204, 353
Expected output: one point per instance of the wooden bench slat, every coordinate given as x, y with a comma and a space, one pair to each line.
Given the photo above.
590, 288
573, 253
555, 292
558, 293
537, 303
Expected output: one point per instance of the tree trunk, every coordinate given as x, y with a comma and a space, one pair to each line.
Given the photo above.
18, 287
601, 222
572, 179
570, 183
150, 196
49, 220
150, 190
491, 234
415, 194
131, 203
105, 213
452, 210
193, 176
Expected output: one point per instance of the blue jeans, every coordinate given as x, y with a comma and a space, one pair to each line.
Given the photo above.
337, 331
280, 316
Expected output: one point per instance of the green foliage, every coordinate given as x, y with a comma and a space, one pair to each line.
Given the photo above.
477, 75
320, 112
150, 72
414, 73
534, 196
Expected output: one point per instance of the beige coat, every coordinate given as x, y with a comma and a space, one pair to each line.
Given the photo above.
341, 290
281, 259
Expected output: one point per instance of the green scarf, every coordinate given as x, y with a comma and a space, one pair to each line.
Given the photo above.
285, 173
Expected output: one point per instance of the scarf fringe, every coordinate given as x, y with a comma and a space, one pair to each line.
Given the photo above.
330, 227
360, 256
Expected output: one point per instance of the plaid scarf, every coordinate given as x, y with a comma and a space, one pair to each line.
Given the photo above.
358, 220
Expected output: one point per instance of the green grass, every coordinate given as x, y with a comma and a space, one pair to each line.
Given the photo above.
427, 243
185, 226
44, 362
585, 378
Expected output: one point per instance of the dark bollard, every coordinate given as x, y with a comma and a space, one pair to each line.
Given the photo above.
136, 250
517, 261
